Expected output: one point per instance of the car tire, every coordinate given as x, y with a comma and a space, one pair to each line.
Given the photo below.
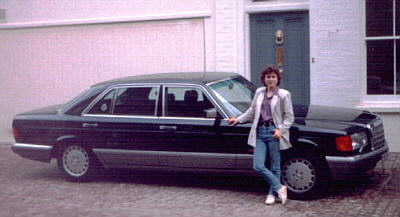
306, 175
77, 163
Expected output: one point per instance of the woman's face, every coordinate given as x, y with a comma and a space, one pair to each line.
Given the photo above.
271, 79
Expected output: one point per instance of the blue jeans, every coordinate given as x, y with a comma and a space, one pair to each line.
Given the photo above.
267, 144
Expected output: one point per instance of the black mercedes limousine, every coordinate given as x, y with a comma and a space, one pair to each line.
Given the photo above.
178, 121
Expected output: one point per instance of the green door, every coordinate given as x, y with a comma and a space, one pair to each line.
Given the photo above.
291, 53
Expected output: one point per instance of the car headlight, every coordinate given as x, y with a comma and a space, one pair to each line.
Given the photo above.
352, 142
359, 140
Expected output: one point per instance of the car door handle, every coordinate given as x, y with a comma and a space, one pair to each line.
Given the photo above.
89, 125
171, 128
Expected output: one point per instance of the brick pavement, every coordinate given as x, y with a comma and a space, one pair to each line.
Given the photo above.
29, 188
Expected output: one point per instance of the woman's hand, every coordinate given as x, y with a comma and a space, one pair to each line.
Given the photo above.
232, 121
277, 134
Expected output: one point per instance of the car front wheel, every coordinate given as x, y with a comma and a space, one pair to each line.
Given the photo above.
305, 175
77, 163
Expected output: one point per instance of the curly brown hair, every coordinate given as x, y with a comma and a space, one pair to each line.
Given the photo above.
268, 70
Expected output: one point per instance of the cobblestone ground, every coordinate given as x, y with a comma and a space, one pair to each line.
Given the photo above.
29, 188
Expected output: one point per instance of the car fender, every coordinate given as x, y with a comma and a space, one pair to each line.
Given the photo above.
307, 141
304, 145
62, 140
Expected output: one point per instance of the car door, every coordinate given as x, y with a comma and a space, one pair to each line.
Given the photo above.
129, 125
190, 126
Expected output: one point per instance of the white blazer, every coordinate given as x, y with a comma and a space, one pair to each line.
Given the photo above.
282, 115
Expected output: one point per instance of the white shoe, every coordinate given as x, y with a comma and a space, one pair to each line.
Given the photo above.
270, 199
283, 194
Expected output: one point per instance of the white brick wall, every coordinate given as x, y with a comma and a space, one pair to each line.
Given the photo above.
335, 40
226, 31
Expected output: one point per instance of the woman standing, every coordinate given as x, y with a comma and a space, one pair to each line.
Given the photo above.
271, 112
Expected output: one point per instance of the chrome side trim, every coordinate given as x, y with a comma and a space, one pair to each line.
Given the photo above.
128, 158
120, 116
186, 118
148, 117
244, 162
197, 159
123, 158
33, 151
32, 146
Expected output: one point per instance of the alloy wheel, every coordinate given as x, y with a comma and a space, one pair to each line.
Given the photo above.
75, 161
299, 175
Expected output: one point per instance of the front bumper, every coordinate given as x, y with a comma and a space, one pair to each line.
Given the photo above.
343, 167
33, 152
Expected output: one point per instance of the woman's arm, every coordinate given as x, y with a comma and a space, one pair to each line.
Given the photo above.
288, 115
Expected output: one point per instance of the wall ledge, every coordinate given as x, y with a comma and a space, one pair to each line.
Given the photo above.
381, 107
276, 7
106, 20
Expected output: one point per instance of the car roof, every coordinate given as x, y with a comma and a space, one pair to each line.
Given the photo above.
177, 77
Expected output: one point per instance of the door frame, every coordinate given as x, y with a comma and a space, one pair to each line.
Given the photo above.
296, 66
244, 60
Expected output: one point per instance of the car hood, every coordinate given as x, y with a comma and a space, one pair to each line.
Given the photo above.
331, 117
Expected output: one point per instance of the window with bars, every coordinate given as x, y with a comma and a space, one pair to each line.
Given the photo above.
383, 46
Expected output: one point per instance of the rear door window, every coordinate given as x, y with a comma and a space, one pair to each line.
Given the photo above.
141, 101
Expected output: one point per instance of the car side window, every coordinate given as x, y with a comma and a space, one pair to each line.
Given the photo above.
136, 101
187, 102
103, 106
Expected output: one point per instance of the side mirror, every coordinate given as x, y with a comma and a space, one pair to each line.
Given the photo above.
212, 113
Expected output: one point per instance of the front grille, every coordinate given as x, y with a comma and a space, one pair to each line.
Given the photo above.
378, 134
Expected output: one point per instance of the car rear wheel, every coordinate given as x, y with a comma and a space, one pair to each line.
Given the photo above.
305, 175
77, 163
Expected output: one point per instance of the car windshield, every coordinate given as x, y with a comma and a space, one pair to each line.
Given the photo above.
235, 93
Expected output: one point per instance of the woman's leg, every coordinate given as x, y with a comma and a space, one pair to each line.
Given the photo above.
275, 157
260, 152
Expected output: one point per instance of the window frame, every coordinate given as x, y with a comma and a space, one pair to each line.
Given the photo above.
194, 86
99, 99
381, 102
116, 88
